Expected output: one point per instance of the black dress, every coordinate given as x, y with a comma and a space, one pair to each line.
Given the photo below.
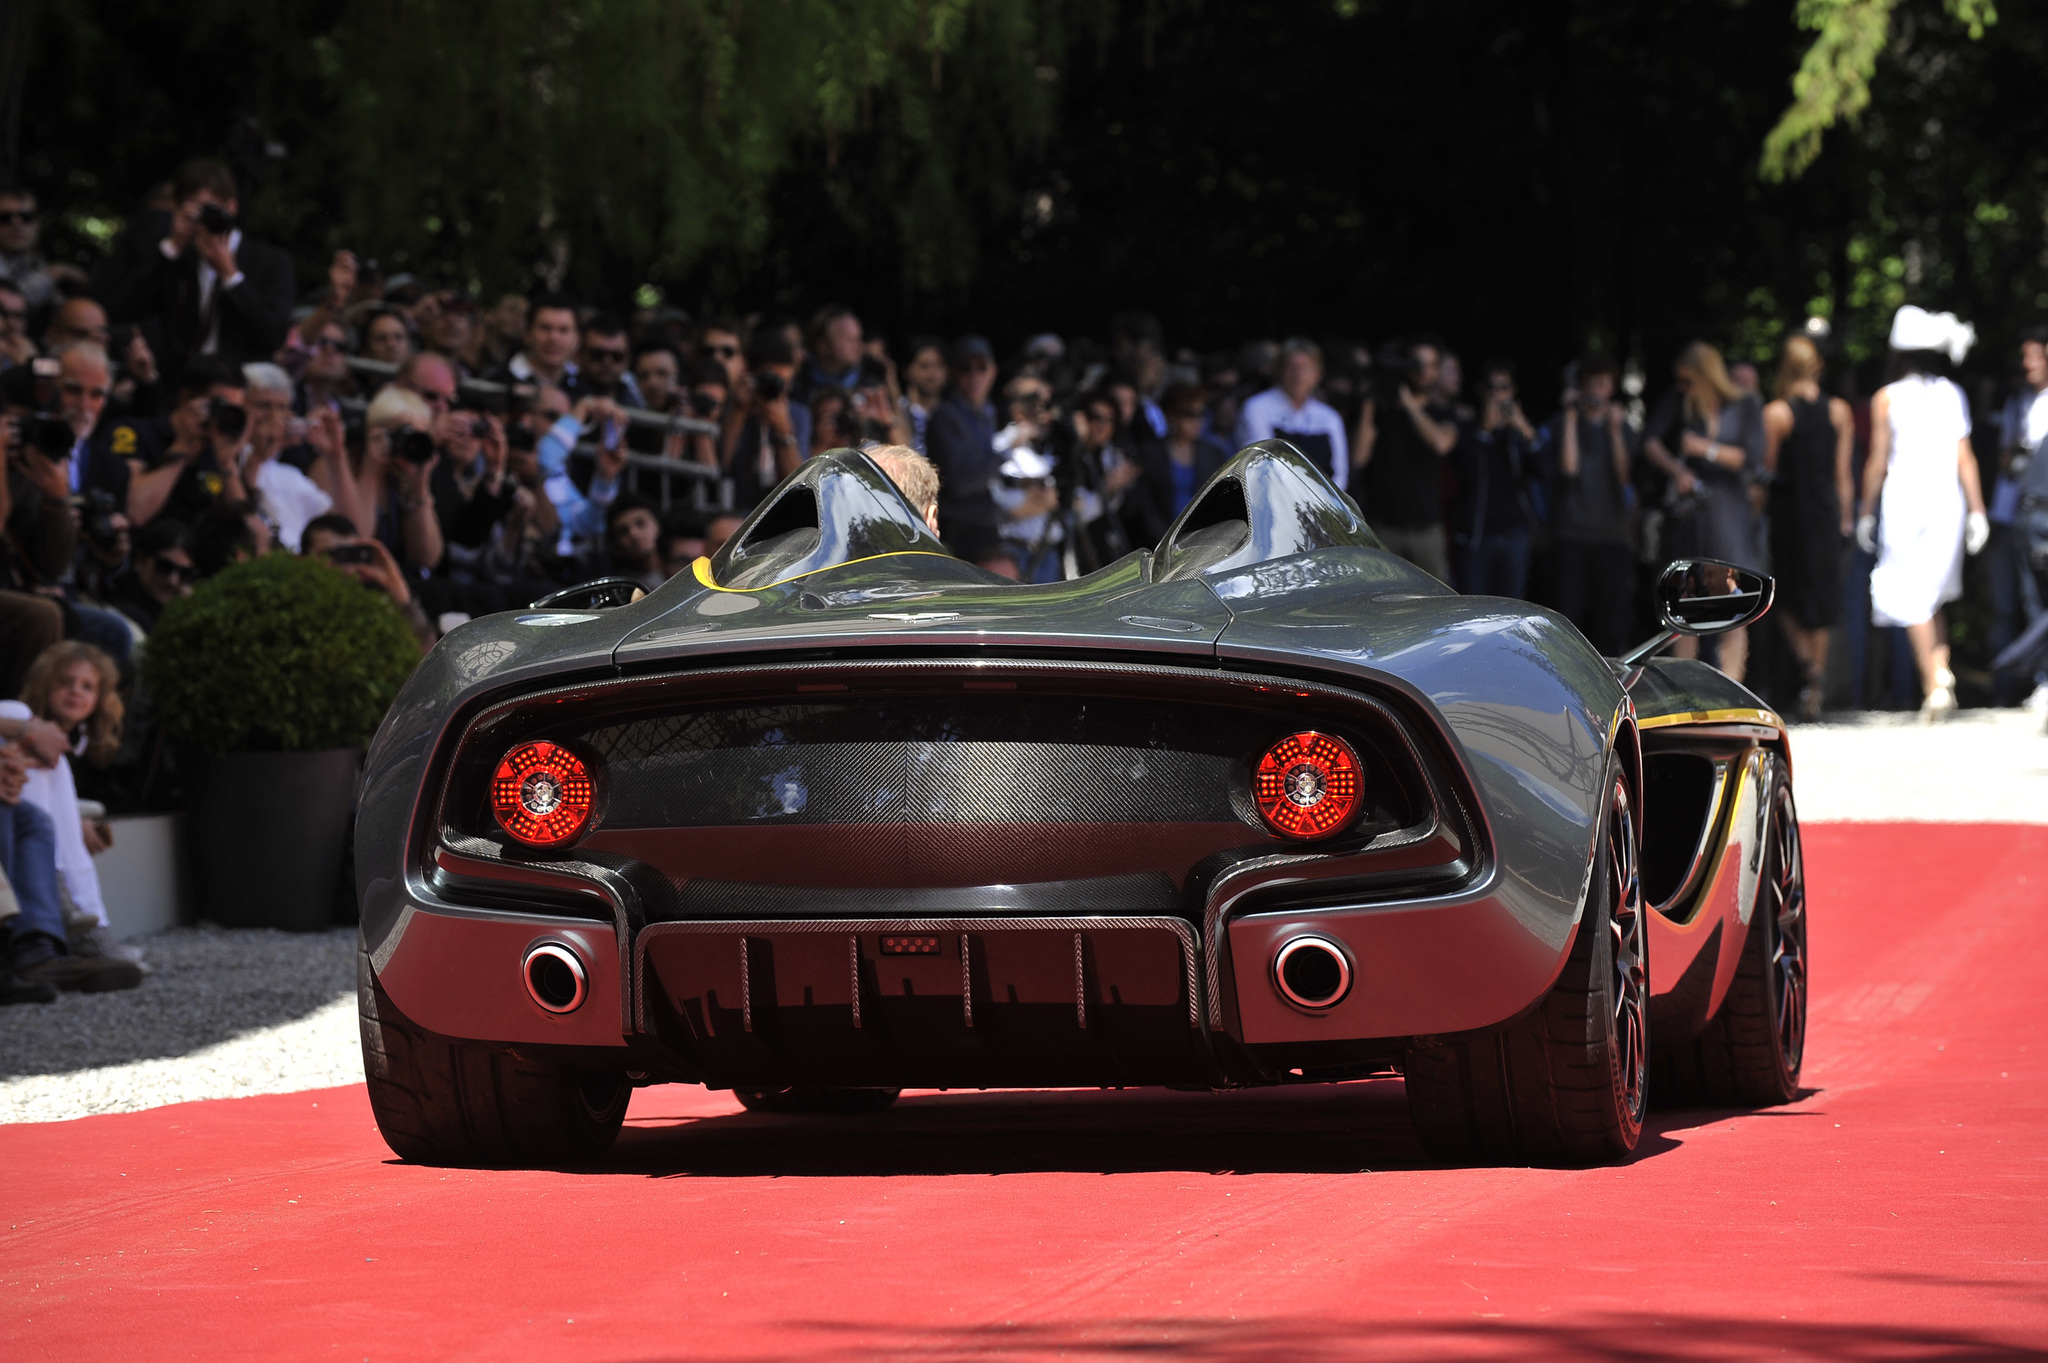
1806, 519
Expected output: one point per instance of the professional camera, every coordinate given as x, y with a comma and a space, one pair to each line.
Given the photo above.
703, 404
411, 444
96, 512
769, 385
47, 432
216, 219
226, 418
1393, 368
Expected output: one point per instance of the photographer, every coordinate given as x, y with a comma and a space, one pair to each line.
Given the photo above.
195, 280
1025, 489
1594, 453
399, 455
578, 509
1494, 517
604, 357
196, 466
287, 497
657, 373
475, 495
773, 433
369, 562
1404, 436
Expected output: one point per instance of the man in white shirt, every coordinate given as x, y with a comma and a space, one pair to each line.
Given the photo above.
1292, 412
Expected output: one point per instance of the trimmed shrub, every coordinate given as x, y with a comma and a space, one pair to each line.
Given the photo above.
278, 654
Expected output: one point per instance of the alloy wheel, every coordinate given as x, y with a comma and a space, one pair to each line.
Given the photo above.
1787, 903
1631, 973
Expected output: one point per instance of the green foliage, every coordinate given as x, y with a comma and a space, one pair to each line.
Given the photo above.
1833, 80
278, 654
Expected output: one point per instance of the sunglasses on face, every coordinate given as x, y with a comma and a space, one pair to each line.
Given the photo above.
331, 344
17, 217
722, 352
599, 353
174, 570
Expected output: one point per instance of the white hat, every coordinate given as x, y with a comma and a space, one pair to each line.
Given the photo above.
1918, 329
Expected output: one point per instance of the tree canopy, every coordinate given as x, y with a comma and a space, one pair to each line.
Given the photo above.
1520, 177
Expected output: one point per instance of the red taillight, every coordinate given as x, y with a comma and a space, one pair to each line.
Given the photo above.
541, 794
1308, 785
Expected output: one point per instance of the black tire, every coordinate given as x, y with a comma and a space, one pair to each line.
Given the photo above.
817, 1100
442, 1101
1751, 1051
1564, 1084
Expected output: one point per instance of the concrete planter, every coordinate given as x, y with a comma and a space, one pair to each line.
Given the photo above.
145, 877
268, 833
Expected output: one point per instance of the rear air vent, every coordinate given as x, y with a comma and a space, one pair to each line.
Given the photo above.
786, 534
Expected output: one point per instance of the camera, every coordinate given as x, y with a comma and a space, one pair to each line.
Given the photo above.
216, 219
226, 418
46, 432
411, 444
873, 373
769, 385
351, 553
1393, 369
97, 510
703, 404
479, 428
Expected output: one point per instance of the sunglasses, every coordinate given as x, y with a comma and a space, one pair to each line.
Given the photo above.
18, 217
174, 570
18, 314
329, 344
722, 352
598, 353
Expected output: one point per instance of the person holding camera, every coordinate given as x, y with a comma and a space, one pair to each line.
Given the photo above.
195, 280
1404, 434
1494, 516
658, 374
578, 506
188, 462
1594, 453
773, 433
334, 540
285, 495
399, 454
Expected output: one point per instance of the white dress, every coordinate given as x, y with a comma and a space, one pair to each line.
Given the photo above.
1920, 554
56, 794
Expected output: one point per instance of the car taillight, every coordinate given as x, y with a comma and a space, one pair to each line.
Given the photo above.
1308, 785
541, 794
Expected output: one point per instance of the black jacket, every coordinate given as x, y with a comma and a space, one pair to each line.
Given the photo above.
137, 284
1149, 508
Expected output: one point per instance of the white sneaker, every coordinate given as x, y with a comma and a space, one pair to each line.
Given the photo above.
1940, 701
2037, 704
100, 941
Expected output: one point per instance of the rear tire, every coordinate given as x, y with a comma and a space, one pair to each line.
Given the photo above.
1565, 1084
1751, 1052
442, 1101
844, 1102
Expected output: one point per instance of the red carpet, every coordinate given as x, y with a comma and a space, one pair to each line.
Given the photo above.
1899, 1211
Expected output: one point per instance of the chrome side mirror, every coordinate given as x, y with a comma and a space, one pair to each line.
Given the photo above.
1707, 596
1703, 596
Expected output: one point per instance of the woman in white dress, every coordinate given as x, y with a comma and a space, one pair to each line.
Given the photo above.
1932, 504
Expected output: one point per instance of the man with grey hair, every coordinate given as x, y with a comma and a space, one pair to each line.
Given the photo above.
1291, 411
915, 476
285, 496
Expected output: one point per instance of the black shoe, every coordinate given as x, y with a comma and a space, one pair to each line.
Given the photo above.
14, 989
83, 974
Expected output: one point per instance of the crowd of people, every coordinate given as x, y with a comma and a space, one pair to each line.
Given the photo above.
182, 406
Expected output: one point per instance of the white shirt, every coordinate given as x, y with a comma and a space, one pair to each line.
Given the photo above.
1271, 413
208, 278
289, 499
56, 794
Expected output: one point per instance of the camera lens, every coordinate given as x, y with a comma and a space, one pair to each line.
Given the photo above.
769, 385
228, 419
479, 428
703, 404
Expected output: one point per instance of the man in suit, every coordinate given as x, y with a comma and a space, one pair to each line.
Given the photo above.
194, 280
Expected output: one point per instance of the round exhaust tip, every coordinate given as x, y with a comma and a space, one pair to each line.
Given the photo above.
1312, 973
554, 977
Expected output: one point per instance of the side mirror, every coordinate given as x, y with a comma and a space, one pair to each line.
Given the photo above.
1707, 596
603, 594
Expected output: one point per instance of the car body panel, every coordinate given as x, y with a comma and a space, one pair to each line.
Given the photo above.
1269, 582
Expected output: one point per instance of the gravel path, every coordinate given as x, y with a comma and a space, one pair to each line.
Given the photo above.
231, 1014
222, 1014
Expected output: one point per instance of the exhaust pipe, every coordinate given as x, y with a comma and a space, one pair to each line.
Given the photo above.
554, 977
1312, 973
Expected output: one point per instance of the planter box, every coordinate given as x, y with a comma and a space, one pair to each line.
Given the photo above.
144, 877
268, 832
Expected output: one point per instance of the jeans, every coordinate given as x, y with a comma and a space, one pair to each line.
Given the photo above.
28, 857
1497, 565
